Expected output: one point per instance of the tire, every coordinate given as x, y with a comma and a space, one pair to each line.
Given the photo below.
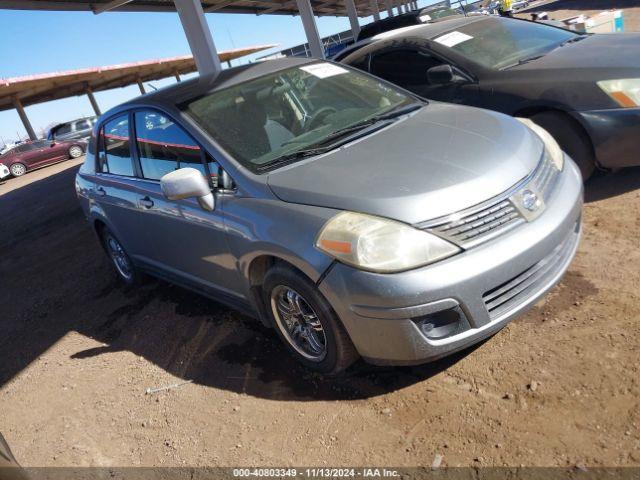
571, 138
75, 151
338, 352
18, 169
124, 267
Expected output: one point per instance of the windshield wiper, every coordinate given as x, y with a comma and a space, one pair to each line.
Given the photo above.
354, 127
328, 142
292, 157
522, 61
575, 39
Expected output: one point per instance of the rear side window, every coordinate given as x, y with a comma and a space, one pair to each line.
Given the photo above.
63, 129
163, 146
83, 125
115, 153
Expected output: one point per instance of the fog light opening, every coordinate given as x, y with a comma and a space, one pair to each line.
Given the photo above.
443, 324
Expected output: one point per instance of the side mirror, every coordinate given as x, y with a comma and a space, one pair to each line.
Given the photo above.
440, 75
188, 183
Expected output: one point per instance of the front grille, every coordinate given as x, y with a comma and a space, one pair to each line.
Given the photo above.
483, 222
516, 291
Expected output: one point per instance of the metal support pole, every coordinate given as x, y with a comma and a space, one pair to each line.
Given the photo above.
92, 99
376, 10
229, 63
25, 120
199, 36
141, 87
353, 17
177, 75
310, 28
398, 7
389, 6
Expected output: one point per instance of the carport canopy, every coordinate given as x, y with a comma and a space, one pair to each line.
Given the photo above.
192, 12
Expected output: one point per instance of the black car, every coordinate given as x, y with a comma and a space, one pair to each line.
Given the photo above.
415, 17
584, 89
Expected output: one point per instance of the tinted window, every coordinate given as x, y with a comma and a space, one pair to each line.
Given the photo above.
502, 42
163, 146
115, 155
404, 67
63, 129
83, 125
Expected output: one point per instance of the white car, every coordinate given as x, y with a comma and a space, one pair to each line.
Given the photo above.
4, 171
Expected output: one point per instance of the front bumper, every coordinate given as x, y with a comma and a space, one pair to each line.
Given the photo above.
4, 171
615, 134
381, 312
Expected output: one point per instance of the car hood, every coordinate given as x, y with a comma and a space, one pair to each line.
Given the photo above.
437, 161
611, 52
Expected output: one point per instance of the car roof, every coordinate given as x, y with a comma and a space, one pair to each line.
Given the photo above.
195, 87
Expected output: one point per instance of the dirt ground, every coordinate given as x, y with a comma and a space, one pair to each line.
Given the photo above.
558, 387
562, 9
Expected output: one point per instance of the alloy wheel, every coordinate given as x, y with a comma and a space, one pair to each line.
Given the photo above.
298, 323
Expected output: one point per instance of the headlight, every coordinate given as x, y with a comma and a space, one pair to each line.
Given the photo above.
380, 245
552, 149
626, 91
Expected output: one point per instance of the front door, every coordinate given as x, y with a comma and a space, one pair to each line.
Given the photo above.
407, 67
188, 243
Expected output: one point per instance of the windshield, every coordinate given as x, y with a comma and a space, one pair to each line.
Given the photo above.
500, 43
292, 110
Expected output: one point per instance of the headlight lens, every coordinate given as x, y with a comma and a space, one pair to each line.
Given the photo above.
380, 245
552, 149
626, 91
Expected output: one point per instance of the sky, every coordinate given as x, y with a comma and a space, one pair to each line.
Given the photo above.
41, 42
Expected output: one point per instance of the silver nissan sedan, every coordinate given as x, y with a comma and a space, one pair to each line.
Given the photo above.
355, 218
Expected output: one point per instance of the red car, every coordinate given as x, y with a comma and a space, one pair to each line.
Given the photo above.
40, 153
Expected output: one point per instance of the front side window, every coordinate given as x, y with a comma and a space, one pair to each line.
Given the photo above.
404, 67
278, 115
163, 146
115, 153
498, 43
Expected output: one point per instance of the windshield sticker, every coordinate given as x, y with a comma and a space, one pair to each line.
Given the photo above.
324, 70
452, 39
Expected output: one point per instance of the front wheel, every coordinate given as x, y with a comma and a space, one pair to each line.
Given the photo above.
306, 323
75, 151
18, 169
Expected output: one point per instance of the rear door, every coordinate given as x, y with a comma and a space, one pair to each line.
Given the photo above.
116, 188
189, 243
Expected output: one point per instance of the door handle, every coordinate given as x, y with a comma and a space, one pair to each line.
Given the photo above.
146, 202
101, 191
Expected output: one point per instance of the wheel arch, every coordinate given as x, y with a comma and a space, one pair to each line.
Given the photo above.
532, 110
256, 271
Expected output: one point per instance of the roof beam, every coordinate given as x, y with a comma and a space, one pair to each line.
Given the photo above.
105, 7
219, 6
